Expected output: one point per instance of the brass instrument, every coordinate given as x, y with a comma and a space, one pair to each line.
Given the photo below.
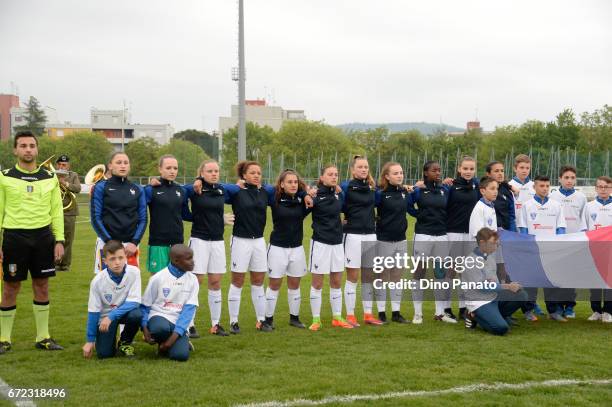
95, 174
64, 191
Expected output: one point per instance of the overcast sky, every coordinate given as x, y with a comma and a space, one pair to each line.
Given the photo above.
339, 60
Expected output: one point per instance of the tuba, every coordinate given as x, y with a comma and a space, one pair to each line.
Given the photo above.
64, 192
95, 174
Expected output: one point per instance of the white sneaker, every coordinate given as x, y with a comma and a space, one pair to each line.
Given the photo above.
418, 319
445, 318
606, 317
595, 317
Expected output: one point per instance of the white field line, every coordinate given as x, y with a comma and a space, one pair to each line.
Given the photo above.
427, 393
4, 392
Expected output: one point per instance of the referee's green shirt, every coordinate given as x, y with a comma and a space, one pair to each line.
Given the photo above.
31, 200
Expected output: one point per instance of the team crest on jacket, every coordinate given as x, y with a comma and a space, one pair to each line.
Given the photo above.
490, 221
165, 291
133, 191
108, 297
178, 193
403, 195
593, 216
336, 195
533, 215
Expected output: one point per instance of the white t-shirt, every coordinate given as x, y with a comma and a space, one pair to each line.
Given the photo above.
483, 216
596, 215
573, 206
541, 220
166, 294
475, 299
106, 295
526, 192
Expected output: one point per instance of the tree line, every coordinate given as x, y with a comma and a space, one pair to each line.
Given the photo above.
582, 140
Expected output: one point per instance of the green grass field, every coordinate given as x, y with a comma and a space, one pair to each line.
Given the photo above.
291, 363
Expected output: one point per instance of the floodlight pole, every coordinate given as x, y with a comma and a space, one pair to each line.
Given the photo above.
241, 80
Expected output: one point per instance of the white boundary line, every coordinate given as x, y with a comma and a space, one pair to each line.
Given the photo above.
4, 392
423, 393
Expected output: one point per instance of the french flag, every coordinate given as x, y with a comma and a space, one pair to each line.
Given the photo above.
574, 260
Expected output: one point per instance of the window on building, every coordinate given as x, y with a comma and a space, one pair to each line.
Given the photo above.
60, 133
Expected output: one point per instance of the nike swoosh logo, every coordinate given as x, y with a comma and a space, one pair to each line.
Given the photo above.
111, 189
387, 196
322, 198
159, 193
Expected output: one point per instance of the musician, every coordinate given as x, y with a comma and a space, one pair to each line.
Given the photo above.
70, 182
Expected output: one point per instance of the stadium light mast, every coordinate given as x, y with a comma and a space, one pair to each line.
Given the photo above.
241, 80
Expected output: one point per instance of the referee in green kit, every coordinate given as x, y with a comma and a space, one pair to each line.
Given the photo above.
32, 219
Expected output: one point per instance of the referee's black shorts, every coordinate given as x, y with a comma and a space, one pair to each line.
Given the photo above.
28, 250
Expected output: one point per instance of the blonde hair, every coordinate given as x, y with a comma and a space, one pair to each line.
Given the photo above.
383, 182
203, 164
369, 177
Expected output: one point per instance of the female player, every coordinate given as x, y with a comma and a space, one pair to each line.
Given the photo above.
430, 239
206, 239
248, 247
391, 225
358, 208
168, 207
463, 195
326, 251
118, 211
505, 210
286, 253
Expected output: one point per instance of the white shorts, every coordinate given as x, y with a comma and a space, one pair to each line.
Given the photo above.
390, 249
99, 264
426, 245
248, 255
460, 244
283, 261
326, 258
353, 251
208, 256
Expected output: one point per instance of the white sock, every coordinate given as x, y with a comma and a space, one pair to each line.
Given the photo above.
294, 298
233, 302
335, 298
440, 307
315, 302
396, 299
258, 295
418, 307
367, 293
271, 298
350, 293
381, 299
214, 304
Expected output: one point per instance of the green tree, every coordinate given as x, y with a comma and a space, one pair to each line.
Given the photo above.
47, 147
208, 143
258, 139
85, 149
35, 118
144, 153
188, 155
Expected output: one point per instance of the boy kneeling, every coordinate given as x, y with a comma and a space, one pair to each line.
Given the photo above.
169, 303
114, 298
491, 309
